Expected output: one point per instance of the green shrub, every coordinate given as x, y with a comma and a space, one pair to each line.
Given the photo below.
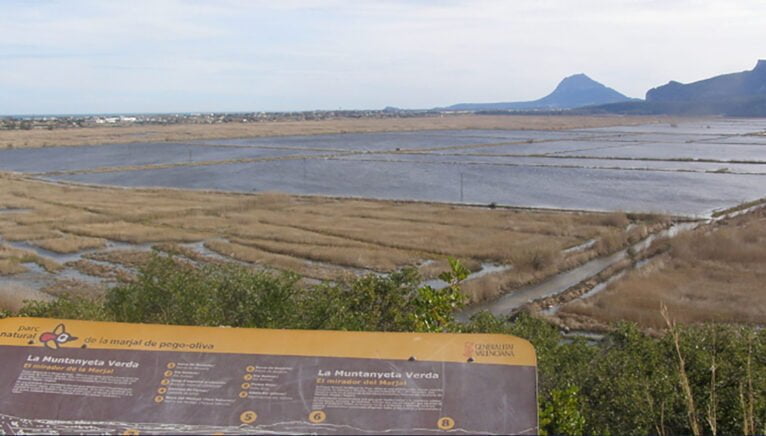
67, 307
627, 383
392, 303
562, 414
169, 292
372, 303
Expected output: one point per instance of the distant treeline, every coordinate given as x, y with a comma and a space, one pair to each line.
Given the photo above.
702, 379
51, 122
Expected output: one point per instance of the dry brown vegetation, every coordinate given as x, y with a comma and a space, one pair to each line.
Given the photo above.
714, 273
99, 270
13, 296
189, 253
11, 260
188, 132
74, 288
317, 237
128, 258
10, 267
132, 232
70, 243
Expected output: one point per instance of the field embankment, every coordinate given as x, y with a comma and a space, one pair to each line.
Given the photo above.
715, 273
105, 233
77, 136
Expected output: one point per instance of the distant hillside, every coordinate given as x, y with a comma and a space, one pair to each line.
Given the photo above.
573, 92
744, 85
754, 106
736, 94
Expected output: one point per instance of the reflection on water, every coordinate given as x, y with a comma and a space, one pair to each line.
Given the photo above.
486, 268
688, 170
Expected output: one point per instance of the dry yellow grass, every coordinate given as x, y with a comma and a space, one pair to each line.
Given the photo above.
12, 258
98, 270
282, 262
133, 232
530, 266
74, 288
114, 135
12, 231
380, 259
715, 273
189, 253
10, 267
69, 243
13, 296
316, 237
130, 258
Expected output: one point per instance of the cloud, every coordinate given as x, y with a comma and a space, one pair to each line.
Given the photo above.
302, 54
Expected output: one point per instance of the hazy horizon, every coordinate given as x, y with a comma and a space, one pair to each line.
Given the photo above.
87, 57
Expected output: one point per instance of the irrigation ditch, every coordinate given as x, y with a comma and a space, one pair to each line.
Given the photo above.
545, 298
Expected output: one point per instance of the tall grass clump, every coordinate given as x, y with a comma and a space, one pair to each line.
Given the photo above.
723, 245
538, 258
614, 219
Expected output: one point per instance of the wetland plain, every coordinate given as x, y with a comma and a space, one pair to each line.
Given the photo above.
519, 203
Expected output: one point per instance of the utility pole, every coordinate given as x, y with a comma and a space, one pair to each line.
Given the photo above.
461, 187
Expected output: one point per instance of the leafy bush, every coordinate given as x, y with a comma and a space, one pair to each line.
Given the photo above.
562, 414
67, 308
627, 383
168, 291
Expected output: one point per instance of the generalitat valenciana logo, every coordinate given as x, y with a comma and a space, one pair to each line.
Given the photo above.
480, 349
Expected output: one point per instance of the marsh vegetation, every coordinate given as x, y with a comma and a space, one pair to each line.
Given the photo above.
187, 132
715, 273
317, 238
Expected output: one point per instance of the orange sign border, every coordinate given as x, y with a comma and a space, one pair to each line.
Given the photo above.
498, 349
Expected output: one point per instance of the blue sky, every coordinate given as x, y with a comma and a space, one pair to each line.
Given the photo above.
76, 56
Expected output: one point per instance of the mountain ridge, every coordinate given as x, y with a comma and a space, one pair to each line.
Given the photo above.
725, 86
572, 92
741, 94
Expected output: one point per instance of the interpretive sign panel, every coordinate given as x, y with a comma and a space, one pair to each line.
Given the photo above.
97, 377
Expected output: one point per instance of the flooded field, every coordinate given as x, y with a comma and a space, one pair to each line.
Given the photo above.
676, 192
57, 238
691, 168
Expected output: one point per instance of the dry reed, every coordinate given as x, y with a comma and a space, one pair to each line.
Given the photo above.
715, 273
70, 244
188, 132
691, 408
317, 237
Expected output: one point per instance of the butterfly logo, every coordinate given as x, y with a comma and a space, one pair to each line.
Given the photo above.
58, 337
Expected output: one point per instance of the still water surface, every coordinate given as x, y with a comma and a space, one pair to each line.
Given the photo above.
650, 168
